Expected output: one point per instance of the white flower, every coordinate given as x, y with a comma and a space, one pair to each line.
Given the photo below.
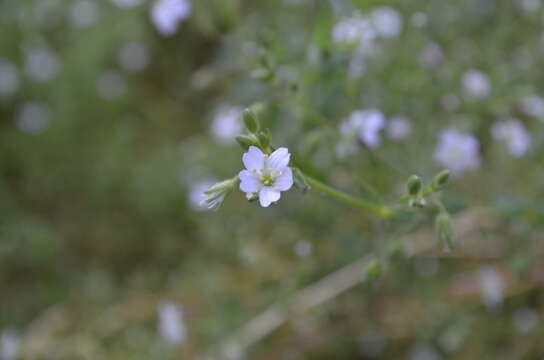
491, 287
368, 124
514, 133
476, 84
41, 64
457, 151
167, 14
398, 128
266, 175
386, 21
533, 105
84, 13
33, 118
171, 324
10, 343
226, 124
353, 30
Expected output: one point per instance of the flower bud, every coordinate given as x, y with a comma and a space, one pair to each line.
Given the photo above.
444, 230
246, 141
215, 195
414, 185
441, 179
373, 270
264, 139
250, 121
299, 180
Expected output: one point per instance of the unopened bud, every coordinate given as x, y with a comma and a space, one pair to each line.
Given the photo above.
250, 121
299, 180
444, 231
441, 179
373, 270
246, 141
414, 185
264, 139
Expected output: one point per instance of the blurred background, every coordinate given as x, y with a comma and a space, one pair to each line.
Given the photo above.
116, 114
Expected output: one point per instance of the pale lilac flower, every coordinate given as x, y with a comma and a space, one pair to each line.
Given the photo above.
33, 118
10, 344
533, 105
303, 248
171, 324
368, 123
529, 6
9, 78
266, 176
41, 64
226, 124
476, 84
84, 13
398, 128
432, 55
457, 151
353, 30
386, 21
167, 14
491, 287
514, 133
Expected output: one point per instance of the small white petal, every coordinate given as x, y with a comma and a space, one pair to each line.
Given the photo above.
253, 158
285, 180
248, 182
267, 195
279, 158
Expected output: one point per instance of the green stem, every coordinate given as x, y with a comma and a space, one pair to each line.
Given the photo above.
380, 210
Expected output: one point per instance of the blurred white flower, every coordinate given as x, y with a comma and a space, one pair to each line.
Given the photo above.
367, 124
127, 3
10, 344
525, 320
133, 56
266, 176
476, 84
533, 105
226, 124
110, 85
386, 21
84, 13
491, 287
419, 19
33, 118
9, 78
197, 196
432, 55
457, 151
423, 352
398, 127
529, 6
167, 14
303, 248
171, 323
353, 30
41, 64
514, 133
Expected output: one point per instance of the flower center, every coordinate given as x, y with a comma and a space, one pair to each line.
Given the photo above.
268, 176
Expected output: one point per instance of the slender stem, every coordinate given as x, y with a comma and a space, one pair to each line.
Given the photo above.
376, 209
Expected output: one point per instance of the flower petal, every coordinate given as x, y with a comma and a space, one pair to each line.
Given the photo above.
267, 195
248, 182
285, 180
253, 158
279, 158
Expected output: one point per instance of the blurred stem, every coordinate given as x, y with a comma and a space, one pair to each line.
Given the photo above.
376, 209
